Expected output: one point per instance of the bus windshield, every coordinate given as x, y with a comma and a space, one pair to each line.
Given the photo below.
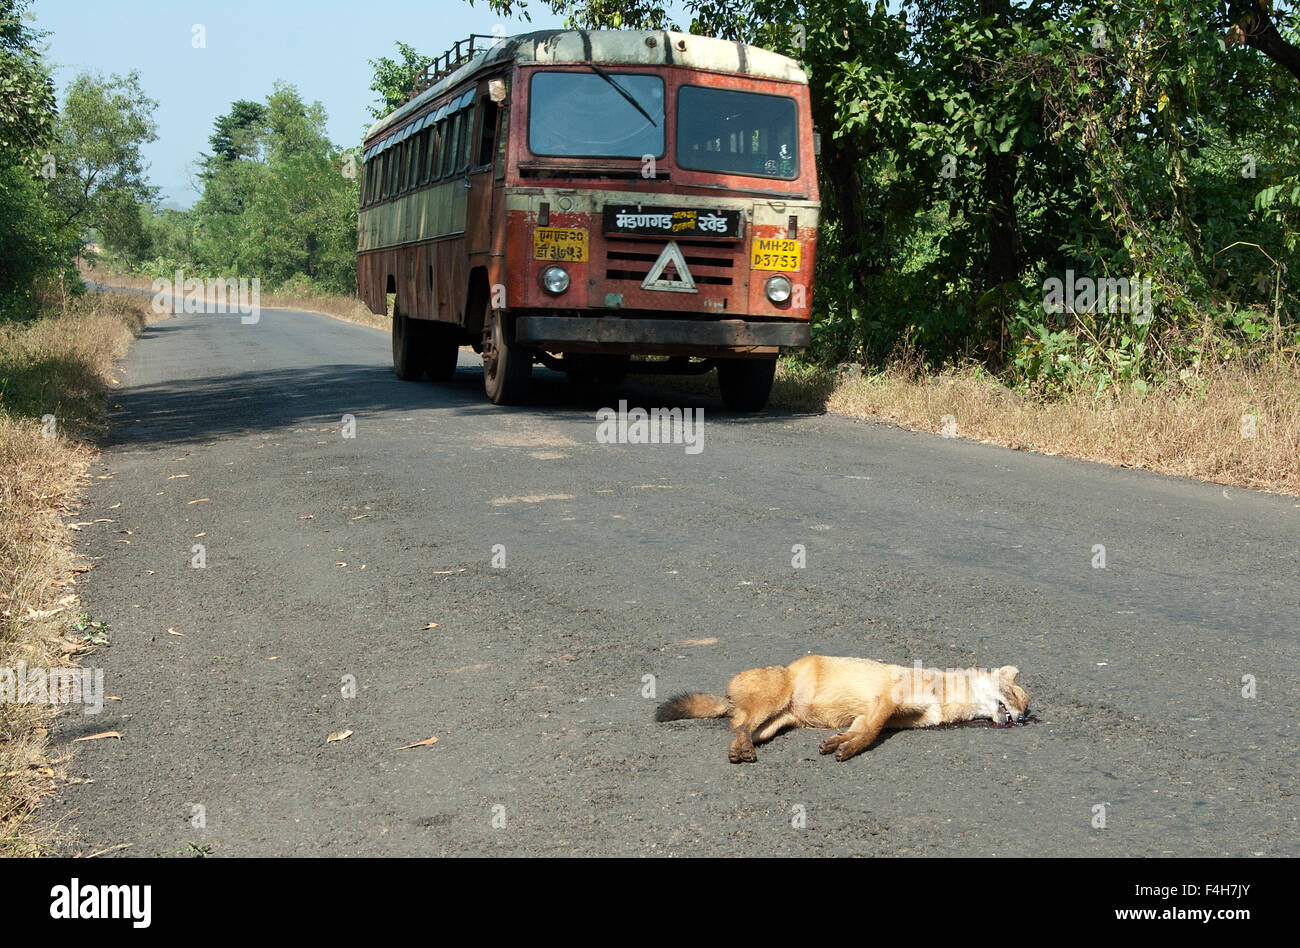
592, 115
744, 133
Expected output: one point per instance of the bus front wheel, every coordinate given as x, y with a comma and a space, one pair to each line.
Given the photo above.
746, 384
507, 366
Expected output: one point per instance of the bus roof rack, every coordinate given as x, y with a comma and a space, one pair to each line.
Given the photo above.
450, 61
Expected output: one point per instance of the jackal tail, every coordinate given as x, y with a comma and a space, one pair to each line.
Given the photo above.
693, 706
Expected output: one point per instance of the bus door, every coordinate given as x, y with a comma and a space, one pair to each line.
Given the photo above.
484, 202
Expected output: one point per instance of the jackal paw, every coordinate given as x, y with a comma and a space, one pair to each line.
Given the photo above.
828, 745
743, 755
845, 751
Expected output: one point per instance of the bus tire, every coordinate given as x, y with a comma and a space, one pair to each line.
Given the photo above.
746, 384
408, 349
507, 366
442, 351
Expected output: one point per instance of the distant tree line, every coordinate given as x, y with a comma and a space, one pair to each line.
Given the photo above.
279, 202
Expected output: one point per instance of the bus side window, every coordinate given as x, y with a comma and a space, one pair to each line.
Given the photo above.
439, 156
488, 138
466, 140
453, 146
417, 157
503, 136
428, 155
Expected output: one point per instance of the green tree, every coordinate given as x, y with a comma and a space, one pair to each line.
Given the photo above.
279, 202
236, 133
32, 247
99, 178
394, 78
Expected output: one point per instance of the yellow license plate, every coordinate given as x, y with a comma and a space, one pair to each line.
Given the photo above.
558, 243
773, 253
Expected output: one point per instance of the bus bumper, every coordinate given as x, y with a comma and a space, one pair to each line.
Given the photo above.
577, 333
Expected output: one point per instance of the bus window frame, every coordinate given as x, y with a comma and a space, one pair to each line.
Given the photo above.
467, 139
614, 71
503, 143
485, 130
453, 144
677, 139
417, 159
430, 151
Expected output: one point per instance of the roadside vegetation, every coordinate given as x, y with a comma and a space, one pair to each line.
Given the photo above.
54, 372
66, 169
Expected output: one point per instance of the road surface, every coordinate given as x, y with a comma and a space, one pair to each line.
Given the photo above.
632, 572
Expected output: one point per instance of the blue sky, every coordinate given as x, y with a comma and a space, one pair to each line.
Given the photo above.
321, 46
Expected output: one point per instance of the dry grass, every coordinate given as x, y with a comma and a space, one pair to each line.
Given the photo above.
1189, 431
1192, 431
56, 366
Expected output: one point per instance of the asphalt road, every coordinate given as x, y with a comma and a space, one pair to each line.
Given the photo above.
625, 561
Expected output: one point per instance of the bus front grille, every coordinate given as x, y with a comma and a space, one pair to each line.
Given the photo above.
707, 268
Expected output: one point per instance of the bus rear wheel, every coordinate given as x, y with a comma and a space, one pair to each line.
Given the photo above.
746, 384
409, 354
442, 351
507, 366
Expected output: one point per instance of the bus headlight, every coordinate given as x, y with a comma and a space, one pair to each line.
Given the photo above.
779, 289
555, 280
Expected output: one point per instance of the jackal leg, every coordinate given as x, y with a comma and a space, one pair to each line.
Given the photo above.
758, 697
769, 730
859, 735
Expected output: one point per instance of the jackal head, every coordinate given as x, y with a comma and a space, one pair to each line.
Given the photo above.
1010, 702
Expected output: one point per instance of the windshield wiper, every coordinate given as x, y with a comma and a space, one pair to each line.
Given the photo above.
623, 92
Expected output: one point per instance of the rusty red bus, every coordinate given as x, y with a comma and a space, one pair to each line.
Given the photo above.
577, 198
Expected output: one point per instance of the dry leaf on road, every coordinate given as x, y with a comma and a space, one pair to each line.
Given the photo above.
338, 736
98, 737
425, 743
